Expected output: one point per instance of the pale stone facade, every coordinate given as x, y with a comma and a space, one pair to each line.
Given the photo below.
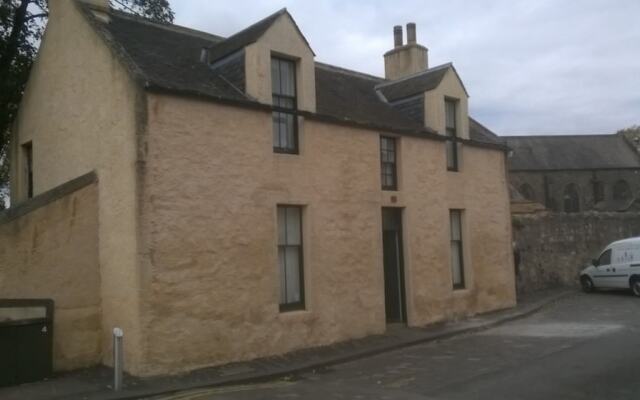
51, 252
189, 184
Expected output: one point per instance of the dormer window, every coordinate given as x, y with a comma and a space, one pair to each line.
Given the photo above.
285, 123
450, 107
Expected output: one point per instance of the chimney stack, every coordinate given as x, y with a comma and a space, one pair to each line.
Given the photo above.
397, 36
411, 33
405, 59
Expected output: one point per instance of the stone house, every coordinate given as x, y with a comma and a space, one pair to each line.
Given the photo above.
222, 199
573, 173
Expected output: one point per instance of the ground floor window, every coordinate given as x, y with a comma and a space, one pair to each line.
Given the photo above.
457, 259
290, 261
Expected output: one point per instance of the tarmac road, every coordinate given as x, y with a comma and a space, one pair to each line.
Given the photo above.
583, 347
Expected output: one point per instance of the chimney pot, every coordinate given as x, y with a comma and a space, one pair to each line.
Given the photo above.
397, 36
411, 33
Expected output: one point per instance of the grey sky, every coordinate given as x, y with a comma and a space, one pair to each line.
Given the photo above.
531, 67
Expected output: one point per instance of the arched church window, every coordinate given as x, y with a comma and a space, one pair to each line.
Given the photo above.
621, 190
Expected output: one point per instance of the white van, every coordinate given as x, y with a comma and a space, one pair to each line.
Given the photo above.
618, 267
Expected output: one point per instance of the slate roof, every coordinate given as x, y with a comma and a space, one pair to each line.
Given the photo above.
168, 57
570, 152
481, 133
351, 95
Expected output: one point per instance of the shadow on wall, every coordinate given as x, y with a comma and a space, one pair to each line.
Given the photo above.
552, 248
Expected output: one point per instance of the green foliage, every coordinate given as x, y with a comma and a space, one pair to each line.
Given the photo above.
22, 23
157, 10
634, 129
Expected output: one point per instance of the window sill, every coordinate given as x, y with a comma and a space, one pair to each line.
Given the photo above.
283, 151
289, 308
460, 290
297, 314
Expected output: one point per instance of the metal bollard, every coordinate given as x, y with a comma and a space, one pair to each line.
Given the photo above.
118, 359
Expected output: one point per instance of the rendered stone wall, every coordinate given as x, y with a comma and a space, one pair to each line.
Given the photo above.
555, 247
211, 185
79, 112
51, 252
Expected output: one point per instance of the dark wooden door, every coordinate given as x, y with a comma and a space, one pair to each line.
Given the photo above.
393, 265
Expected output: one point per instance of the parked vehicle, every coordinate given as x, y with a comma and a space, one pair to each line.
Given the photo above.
618, 267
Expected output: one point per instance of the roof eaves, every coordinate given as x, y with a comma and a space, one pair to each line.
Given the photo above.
248, 103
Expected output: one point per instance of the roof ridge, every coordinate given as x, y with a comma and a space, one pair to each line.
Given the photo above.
166, 25
405, 78
348, 71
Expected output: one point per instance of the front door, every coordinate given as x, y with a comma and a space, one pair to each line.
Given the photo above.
394, 295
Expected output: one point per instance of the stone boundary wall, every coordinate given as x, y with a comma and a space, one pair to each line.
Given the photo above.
552, 248
49, 250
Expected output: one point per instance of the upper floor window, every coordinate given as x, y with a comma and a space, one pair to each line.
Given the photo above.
285, 122
621, 190
451, 127
388, 157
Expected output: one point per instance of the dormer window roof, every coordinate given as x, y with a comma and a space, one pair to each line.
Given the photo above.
247, 36
416, 84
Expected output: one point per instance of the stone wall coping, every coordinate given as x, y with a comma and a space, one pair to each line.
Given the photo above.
47, 197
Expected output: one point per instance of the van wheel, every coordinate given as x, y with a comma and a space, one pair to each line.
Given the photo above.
587, 284
635, 287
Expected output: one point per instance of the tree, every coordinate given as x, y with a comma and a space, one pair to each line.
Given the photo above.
22, 23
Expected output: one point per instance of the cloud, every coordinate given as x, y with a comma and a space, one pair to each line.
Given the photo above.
531, 67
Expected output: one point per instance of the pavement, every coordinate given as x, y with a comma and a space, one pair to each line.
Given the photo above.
284, 375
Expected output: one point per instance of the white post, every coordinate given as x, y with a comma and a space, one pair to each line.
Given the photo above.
118, 359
